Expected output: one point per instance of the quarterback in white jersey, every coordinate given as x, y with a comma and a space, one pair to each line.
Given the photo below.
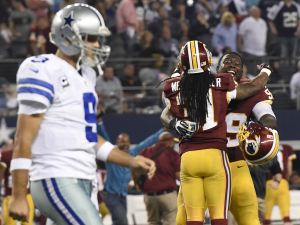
56, 137
68, 101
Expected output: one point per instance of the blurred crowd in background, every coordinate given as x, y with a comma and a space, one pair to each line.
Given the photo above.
147, 36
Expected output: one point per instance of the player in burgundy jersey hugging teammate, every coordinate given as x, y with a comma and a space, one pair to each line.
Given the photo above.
199, 101
243, 197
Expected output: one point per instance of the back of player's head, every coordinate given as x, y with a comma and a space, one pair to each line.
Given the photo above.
74, 26
195, 60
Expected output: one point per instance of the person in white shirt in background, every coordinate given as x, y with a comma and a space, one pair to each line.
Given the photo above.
295, 87
252, 37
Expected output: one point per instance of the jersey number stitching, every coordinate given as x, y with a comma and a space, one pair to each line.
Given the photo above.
89, 101
239, 118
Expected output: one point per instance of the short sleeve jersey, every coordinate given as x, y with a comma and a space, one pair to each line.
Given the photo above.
5, 162
213, 133
167, 164
65, 145
238, 112
285, 18
285, 154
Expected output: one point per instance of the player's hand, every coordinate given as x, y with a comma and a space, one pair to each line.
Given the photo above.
184, 128
19, 209
142, 165
248, 123
264, 66
274, 184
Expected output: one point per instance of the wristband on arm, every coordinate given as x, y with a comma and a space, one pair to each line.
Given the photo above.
20, 164
104, 151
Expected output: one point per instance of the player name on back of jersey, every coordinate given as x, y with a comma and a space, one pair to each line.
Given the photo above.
175, 84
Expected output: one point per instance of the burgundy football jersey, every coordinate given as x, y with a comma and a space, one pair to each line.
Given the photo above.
213, 133
285, 153
5, 161
238, 112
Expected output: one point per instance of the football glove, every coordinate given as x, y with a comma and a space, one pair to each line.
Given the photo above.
184, 128
265, 67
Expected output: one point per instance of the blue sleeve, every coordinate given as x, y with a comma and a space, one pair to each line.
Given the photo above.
151, 140
102, 132
216, 39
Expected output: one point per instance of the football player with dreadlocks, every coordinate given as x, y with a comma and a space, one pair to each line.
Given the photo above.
56, 136
243, 198
199, 101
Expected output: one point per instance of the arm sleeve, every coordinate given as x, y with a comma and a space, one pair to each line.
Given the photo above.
291, 153
33, 82
261, 109
151, 140
30, 108
231, 95
273, 11
102, 131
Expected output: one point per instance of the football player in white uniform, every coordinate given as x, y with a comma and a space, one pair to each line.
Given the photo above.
56, 137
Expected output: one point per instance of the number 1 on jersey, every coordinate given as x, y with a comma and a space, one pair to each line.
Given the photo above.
210, 121
89, 101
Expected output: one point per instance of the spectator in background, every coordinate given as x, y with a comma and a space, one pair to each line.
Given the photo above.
264, 6
198, 27
151, 11
133, 97
116, 185
127, 21
154, 52
5, 40
109, 88
168, 44
252, 39
161, 192
144, 43
64, 3
281, 196
205, 7
165, 20
259, 174
39, 38
4, 14
295, 84
284, 22
216, 5
20, 22
40, 7
6, 33
4, 91
225, 33
178, 9
238, 8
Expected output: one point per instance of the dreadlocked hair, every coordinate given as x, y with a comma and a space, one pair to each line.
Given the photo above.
194, 95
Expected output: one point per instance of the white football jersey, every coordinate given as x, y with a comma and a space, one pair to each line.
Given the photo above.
66, 142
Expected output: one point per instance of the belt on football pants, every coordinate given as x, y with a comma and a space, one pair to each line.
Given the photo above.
159, 193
